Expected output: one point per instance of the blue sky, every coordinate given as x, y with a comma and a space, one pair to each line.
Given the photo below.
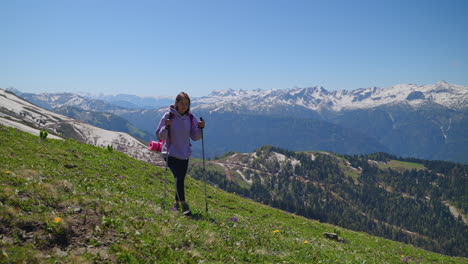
159, 48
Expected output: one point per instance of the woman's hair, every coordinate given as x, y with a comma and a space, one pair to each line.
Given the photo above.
181, 96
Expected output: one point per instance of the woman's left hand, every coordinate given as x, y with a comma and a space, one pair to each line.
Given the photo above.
201, 124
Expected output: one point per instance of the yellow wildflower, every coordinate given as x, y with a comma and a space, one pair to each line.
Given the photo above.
57, 220
8, 171
276, 231
306, 242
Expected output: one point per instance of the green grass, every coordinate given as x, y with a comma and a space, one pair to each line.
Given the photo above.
401, 165
348, 171
66, 202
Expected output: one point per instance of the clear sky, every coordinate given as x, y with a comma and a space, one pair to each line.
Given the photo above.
159, 48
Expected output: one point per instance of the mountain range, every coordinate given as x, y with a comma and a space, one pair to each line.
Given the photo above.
323, 101
133, 101
422, 121
16, 112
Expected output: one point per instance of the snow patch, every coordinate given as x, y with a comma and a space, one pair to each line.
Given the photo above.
312, 156
279, 156
295, 162
243, 176
25, 128
445, 131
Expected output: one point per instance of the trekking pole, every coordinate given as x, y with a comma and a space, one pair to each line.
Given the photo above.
165, 180
204, 171
167, 161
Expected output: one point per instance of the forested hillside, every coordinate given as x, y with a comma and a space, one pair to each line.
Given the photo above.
410, 200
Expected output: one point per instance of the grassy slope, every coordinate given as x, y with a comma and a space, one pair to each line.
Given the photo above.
401, 165
62, 201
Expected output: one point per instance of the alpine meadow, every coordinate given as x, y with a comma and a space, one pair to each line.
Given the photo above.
63, 201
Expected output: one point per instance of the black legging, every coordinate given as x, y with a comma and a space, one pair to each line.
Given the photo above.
179, 170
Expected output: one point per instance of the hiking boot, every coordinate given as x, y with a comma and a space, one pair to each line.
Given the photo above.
185, 210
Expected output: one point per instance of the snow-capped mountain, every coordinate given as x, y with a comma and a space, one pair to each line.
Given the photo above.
50, 101
319, 99
133, 101
312, 98
19, 113
422, 121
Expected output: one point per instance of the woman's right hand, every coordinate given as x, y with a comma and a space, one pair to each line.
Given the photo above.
168, 123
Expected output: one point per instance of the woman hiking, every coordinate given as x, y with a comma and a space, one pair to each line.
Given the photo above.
176, 128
